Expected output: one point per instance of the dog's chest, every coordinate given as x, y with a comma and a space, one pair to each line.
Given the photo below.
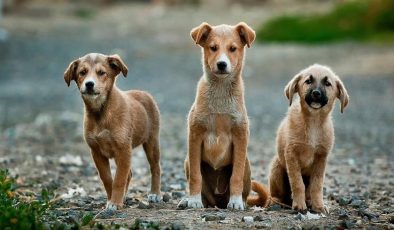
218, 141
103, 140
313, 136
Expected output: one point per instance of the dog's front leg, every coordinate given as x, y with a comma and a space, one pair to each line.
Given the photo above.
240, 142
295, 178
123, 165
316, 183
194, 175
104, 171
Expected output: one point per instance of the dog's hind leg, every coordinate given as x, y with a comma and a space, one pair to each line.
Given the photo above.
152, 150
278, 183
127, 184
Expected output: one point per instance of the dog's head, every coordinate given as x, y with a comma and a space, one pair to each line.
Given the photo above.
318, 87
95, 74
223, 47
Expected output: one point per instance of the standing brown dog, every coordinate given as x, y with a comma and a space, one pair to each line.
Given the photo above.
305, 138
217, 166
116, 122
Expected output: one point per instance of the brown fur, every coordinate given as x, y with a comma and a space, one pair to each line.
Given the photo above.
217, 166
115, 122
304, 140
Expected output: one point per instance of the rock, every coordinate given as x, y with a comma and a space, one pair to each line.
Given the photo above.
344, 201
299, 216
367, 213
264, 224
259, 218
105, 214
247, 219
349, 224
274, 207
177, 194
177, 226
214, 216
144, 205
166, 197
390, 218
356, 203
342, 214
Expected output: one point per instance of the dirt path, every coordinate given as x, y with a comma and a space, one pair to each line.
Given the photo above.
41, 119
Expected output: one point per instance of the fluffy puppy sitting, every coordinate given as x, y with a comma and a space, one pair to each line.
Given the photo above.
305, 138
115, 122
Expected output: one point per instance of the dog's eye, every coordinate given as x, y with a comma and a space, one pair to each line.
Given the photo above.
327, 83
100, 73
308, 81
83, 72
233, 49
214, 48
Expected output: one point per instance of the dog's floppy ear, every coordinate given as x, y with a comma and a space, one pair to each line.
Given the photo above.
246, 33
200, 33
70, 73
292, 87
116, 63
342, 94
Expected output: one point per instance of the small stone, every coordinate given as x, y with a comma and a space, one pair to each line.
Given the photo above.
274, 207
264, 224
258, 218
356, 203
342, 215
367, 213
349, 224
144, 205
247, 219
177, 194
214, 216
344, 201
299, 216
166, 197
391, 218
177, 226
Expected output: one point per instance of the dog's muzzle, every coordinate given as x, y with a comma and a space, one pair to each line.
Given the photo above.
316, 98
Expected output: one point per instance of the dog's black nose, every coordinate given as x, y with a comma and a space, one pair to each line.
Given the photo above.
89, 85
221, 65
316, 93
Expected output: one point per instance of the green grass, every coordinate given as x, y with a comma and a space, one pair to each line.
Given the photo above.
356, 20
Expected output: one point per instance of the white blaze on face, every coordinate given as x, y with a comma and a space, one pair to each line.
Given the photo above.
223, 58
87, 79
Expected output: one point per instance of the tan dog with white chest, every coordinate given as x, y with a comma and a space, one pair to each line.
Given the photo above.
305, 138
217, 166
115, 122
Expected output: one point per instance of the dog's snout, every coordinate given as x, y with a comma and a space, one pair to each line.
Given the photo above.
222, 65
89, 85
316, 93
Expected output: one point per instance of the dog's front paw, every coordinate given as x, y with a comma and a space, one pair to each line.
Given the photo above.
191, 202
321, 209
154, 198
299, 205
236, 203
113, 207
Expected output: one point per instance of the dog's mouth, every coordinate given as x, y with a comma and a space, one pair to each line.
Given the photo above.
221, 73
316, 102
90, 93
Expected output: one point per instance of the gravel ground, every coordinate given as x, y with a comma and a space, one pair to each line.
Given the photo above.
41, 119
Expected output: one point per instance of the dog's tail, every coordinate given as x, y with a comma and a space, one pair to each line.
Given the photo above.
263, 196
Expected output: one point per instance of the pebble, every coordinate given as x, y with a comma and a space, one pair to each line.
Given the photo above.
349, 224
247, 219
299, 216
177, 194
166, 197
344, 201
177, 226
144, 205
214, 216
356, 203
342, 214
274, 207
367, 213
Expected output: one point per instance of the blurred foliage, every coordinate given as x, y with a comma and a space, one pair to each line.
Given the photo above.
25, 212
355, 20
